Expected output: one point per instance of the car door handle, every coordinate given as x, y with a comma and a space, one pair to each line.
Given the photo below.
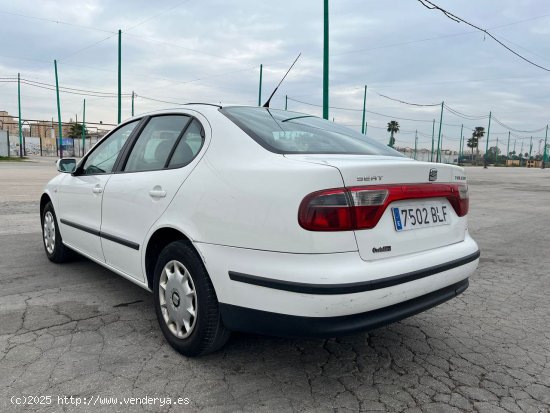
157, 193
97, 190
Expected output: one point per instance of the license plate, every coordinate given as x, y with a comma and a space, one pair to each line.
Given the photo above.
409, 217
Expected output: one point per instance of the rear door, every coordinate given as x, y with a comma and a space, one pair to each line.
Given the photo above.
162, 157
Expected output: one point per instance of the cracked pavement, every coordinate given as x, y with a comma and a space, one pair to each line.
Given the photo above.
77, 329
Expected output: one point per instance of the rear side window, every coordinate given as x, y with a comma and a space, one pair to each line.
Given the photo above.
155, 143
189, 145
291, 132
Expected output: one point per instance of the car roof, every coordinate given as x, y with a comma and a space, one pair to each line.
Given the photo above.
206, 108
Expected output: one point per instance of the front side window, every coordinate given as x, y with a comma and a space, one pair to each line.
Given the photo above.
103, 158
287, 132
154, 145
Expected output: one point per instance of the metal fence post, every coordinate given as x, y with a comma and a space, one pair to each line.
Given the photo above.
433, 135
545, 143
439, 143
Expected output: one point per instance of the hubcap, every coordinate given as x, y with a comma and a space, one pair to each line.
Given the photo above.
49, 232
178, 299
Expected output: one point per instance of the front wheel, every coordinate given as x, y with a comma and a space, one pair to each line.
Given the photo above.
51, 237
185, 302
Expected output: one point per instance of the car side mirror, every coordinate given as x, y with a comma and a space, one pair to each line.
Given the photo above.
66, 165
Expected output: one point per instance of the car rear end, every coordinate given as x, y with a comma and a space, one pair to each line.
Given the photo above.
408, 221
394, 206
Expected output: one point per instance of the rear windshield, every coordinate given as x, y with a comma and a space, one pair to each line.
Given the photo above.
285, 132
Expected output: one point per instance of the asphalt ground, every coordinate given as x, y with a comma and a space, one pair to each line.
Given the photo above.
78, 330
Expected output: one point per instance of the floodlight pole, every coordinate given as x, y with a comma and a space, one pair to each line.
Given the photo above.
260, 86
133, 94
521, 150
119, 76
462, 146
508, 148
364, 110
439, 143
441, 149
487, 142
325, 62
433, 137
83, 126
461, 143
542, 166
58, 111
19, 106
415, 142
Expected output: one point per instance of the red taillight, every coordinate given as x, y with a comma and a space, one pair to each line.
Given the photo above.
344, 209
327, 210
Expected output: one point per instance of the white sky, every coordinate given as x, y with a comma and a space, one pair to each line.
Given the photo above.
210, 51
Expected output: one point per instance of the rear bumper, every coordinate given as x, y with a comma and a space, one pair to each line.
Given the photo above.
331, 285
249, 320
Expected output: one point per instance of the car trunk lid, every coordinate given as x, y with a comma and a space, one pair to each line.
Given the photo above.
414, 189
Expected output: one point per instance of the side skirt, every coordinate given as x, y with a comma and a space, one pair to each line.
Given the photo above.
113, 269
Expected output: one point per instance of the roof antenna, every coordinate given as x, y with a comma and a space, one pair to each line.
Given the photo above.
266, 104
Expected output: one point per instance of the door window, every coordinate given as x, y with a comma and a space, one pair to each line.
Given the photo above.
103, 158
154, 145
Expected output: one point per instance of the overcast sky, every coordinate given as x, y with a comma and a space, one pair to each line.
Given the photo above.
210, 51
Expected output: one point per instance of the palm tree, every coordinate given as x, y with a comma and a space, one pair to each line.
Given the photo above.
472, 143
393, 127
478, 133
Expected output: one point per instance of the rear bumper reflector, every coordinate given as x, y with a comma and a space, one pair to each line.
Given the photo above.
350, 288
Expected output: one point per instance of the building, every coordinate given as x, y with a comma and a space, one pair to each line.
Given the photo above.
48, 129
39, 129
9, 123
44, 129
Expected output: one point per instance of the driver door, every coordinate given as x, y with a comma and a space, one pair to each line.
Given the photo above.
81, 194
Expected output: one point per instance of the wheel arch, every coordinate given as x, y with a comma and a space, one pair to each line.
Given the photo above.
44, 199
160, 238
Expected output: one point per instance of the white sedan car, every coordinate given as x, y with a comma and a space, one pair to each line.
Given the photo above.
262, 220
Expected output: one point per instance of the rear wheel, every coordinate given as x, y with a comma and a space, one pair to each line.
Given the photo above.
185, 302
51, 237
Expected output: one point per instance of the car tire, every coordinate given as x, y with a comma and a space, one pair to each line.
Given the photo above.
185, 302
51, 237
